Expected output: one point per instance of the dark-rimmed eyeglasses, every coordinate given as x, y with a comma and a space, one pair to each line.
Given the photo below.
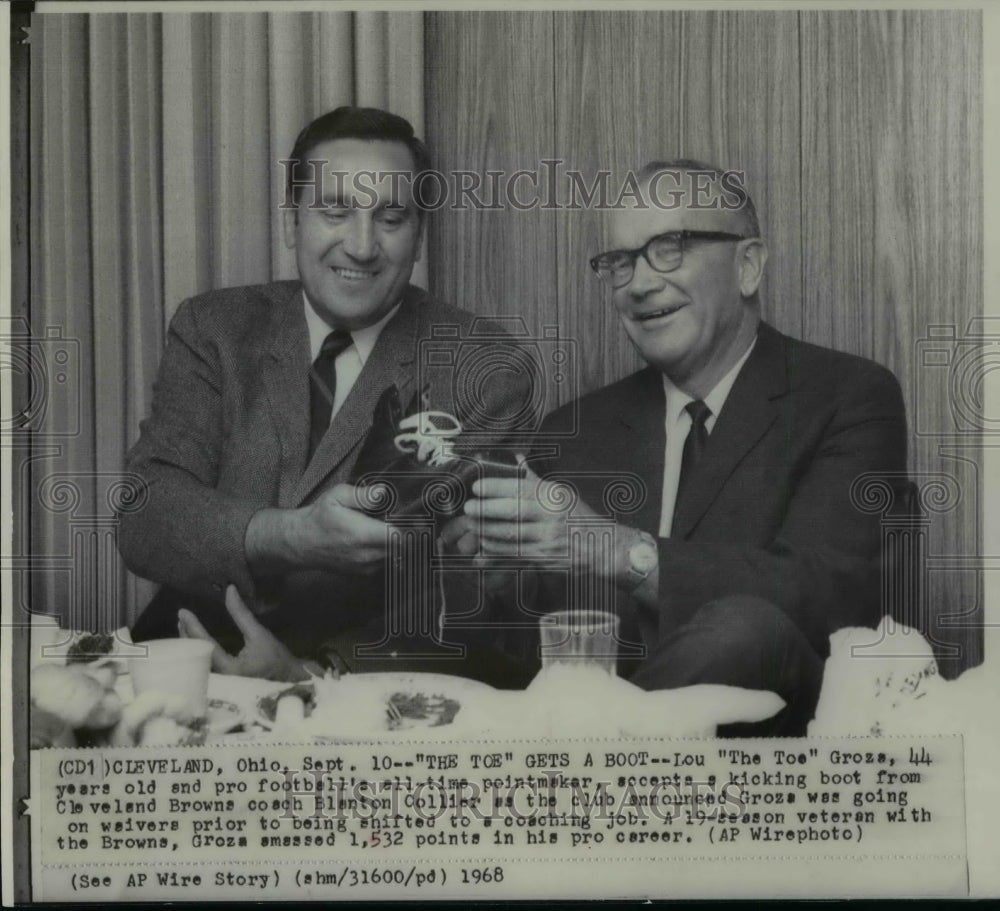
664, 253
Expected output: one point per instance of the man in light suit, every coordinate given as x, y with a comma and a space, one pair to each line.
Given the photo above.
263, 398
748, 549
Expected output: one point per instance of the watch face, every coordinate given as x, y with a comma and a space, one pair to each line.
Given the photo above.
643, 557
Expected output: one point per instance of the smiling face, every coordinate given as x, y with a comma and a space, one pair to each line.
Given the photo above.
693, 323
355, 255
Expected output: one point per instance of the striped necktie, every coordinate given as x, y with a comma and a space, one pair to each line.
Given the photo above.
323, 385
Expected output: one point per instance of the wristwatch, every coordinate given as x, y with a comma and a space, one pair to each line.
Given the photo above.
643, 558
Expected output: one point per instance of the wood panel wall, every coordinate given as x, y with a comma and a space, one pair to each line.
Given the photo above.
860, 136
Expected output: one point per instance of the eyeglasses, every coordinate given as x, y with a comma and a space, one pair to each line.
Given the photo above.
664, 253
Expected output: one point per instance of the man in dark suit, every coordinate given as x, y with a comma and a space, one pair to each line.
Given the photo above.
748, 548
263, 399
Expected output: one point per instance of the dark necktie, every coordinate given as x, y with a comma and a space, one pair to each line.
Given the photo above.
694, 445
323, 385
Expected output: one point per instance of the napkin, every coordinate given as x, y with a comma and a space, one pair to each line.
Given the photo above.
885, 682
567, 701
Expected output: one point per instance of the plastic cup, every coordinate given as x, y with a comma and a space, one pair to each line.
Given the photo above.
176, 666
581, 638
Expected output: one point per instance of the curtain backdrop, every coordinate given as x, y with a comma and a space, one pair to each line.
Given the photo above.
154, 148
860, 134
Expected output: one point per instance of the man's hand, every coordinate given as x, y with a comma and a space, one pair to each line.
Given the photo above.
263, 655
522, 517
529, 518
330, 534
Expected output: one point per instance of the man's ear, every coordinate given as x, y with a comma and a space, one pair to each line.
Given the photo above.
289, 222
750, 262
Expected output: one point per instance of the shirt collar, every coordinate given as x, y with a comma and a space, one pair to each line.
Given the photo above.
676, 399
363, 339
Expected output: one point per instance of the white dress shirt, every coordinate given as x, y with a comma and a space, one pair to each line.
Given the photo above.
678, 424
350, 361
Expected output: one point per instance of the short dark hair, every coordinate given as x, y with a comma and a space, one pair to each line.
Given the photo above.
746, 208
347, 122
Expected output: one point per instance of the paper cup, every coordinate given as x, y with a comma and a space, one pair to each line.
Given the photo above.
177, 666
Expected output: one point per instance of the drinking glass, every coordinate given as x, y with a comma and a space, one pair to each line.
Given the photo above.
581, 638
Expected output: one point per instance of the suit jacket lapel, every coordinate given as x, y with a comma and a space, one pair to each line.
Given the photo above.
750, 409
390, 362
286, 380
641, 413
